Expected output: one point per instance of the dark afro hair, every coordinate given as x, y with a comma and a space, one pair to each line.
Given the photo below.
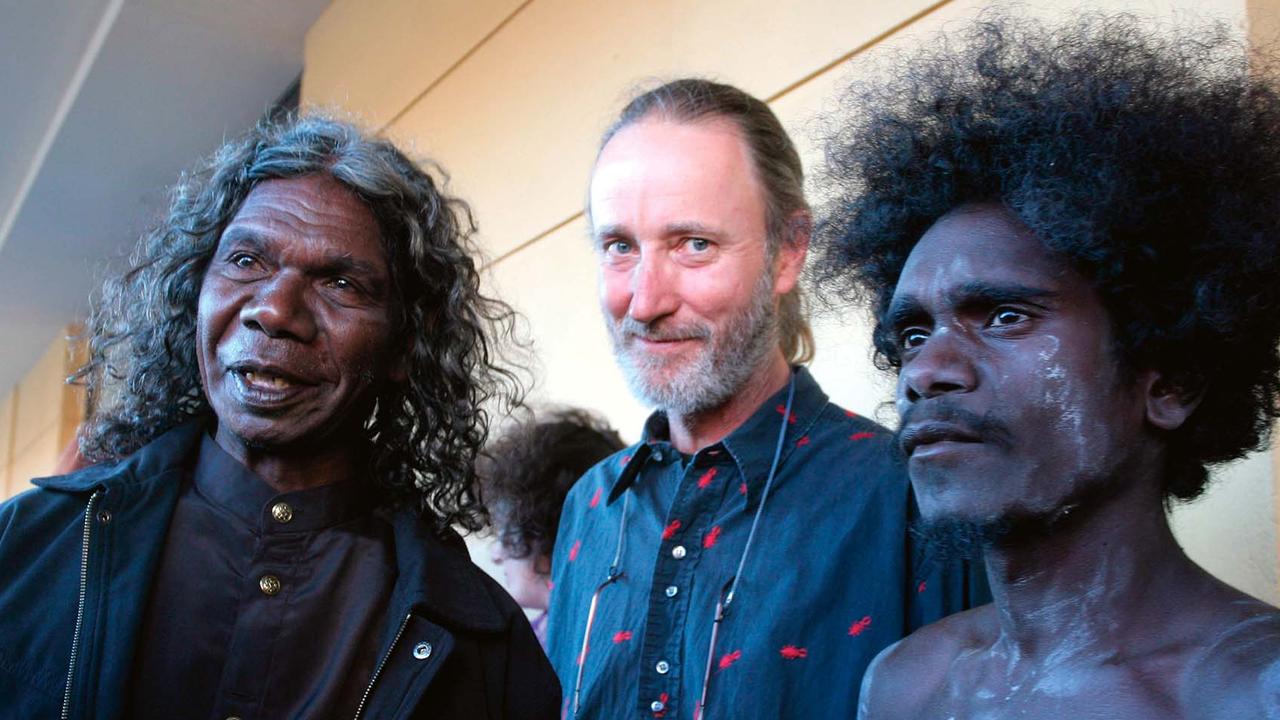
526, 473
1145, 155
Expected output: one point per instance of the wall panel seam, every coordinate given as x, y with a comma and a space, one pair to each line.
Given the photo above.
456, 64
808, 77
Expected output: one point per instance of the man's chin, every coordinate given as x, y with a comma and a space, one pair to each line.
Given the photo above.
960, 538
968, 537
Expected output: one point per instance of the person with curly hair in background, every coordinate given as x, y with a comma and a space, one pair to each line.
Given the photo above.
1070, 239
525, 474
286, 395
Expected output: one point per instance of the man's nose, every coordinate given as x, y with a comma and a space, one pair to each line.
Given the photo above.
944, 364
280, 308
653, 292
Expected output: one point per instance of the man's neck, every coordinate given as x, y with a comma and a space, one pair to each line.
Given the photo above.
1097, 587
292, 469
691, 433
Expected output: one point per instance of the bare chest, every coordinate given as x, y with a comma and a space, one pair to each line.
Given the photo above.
994, 690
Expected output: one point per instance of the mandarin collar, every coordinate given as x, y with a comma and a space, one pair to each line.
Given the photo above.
228, 484
751, 445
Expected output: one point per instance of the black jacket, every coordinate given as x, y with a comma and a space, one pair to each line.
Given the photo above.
78, 555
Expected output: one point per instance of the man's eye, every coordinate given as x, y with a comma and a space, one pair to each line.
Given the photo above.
1005, 316
341, 283
243, 260
698, 244
617, 247
912, 339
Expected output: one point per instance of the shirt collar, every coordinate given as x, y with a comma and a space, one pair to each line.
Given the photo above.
751, 444
225, 482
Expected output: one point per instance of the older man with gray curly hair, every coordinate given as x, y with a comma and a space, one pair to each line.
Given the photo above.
286, 394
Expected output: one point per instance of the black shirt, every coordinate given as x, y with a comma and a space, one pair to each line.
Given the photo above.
264, 605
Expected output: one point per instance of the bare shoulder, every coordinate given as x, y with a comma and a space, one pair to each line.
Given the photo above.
905, 675
1238, 673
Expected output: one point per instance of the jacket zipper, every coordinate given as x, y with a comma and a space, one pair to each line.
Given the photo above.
378, 670
84, 587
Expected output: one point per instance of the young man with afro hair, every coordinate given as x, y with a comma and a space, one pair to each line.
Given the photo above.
1070, 238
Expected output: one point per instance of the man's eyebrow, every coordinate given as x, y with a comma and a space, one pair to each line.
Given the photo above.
908, 310
243, 237
609, 231
903, 311
689, 228
979, 292
347, 263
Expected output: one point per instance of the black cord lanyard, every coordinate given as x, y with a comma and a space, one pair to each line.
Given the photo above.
730, 589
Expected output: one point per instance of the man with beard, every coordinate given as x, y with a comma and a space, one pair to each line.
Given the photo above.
750, 555
1072, 241
285, 393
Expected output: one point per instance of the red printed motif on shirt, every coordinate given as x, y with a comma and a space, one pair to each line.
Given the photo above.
729, 659
791, 652
858, 627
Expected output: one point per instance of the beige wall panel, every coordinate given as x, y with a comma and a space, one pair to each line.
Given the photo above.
37, 460
40, 397
373, 57
553, 284
1231, 531
517, 123
1264, 22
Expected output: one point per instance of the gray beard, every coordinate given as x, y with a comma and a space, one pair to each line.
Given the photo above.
722, 367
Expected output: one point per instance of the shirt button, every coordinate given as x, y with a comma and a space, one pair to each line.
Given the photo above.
672, 590
662, 667
678, 552
282, 512
657, 706
269, 585
422, 650
657, 457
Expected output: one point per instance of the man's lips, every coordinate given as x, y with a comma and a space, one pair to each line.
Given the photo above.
662, 343
268, 376
923, 434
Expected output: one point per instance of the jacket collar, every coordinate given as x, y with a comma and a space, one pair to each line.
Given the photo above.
170, 451
436, 575
438, 580
751, 444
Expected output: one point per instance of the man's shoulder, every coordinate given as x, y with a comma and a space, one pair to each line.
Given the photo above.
904, 675
594, 485
836, 423
1238, 674
845, 441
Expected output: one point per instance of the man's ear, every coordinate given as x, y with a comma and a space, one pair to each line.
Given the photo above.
791, 254
1170, 402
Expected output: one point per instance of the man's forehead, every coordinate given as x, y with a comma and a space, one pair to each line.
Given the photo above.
985, 244
314, 214
674, 172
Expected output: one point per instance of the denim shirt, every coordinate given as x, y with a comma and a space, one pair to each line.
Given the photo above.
832, 576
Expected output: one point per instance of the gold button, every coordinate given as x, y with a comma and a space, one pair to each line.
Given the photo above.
282, 512
269, 584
